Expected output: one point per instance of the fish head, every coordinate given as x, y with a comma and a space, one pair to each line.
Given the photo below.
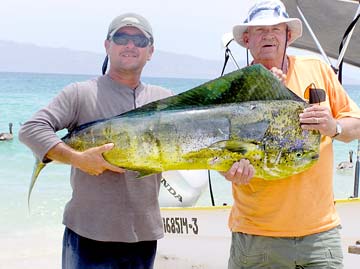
291, 156
299, 159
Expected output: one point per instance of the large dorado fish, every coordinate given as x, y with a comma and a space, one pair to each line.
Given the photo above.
244, 114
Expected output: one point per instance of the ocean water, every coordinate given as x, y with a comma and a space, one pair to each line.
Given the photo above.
22, 94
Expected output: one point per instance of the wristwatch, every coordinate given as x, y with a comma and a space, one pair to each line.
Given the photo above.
338, 130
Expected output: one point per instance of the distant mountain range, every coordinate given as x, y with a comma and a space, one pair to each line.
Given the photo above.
20, 57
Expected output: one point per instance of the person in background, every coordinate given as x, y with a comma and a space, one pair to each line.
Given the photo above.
291, 222
112, 220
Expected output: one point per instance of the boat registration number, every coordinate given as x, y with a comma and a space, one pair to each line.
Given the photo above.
180, 225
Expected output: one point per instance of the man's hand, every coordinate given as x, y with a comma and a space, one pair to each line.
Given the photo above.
91, 161
318, 118
241, 172
279, 74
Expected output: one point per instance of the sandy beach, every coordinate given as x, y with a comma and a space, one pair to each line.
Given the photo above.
41, 249
37, 249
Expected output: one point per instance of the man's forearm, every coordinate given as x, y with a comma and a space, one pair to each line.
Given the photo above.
62, 153
350, 129
90, 161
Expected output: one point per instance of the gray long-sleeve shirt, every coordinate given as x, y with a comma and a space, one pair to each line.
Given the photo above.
111, 206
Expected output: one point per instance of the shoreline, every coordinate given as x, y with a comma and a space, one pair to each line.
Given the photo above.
41, 248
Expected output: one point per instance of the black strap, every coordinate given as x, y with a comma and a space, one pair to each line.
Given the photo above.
348, 30
227, 55
227, 51
211, 191
104, 66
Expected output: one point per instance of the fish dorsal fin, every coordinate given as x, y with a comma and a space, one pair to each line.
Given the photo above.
251, 83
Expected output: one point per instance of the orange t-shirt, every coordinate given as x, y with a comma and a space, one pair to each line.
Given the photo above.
302, 204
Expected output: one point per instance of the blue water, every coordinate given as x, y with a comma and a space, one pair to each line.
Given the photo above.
22, 94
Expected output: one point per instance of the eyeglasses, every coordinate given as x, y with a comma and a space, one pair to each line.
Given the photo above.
123, 39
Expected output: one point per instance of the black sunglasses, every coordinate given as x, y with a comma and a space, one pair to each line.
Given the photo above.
123, 39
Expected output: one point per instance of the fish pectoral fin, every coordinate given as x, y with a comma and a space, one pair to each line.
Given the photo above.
234, 146
145, 173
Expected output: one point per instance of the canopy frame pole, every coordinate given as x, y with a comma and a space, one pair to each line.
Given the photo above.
357, 172
326, 58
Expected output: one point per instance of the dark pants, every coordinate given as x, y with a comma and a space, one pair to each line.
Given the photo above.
83, 253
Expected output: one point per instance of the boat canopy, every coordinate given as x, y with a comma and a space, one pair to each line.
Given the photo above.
329, 20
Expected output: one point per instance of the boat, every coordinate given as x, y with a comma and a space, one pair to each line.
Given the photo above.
197, 236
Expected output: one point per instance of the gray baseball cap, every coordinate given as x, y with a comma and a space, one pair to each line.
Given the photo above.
133, 20
128, 19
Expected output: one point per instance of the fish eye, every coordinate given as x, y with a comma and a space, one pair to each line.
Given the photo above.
298, 154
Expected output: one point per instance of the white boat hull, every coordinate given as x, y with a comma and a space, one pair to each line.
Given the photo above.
198, 237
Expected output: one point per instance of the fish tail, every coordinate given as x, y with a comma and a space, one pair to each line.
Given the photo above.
39, 165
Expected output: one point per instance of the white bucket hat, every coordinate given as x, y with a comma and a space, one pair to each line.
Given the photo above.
265, 13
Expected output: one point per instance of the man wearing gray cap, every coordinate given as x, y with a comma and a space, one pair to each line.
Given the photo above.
112, 220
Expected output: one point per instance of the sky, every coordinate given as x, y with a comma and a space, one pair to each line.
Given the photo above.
191, 27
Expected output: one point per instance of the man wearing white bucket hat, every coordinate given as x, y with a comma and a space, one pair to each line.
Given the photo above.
291, 222
268, 16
